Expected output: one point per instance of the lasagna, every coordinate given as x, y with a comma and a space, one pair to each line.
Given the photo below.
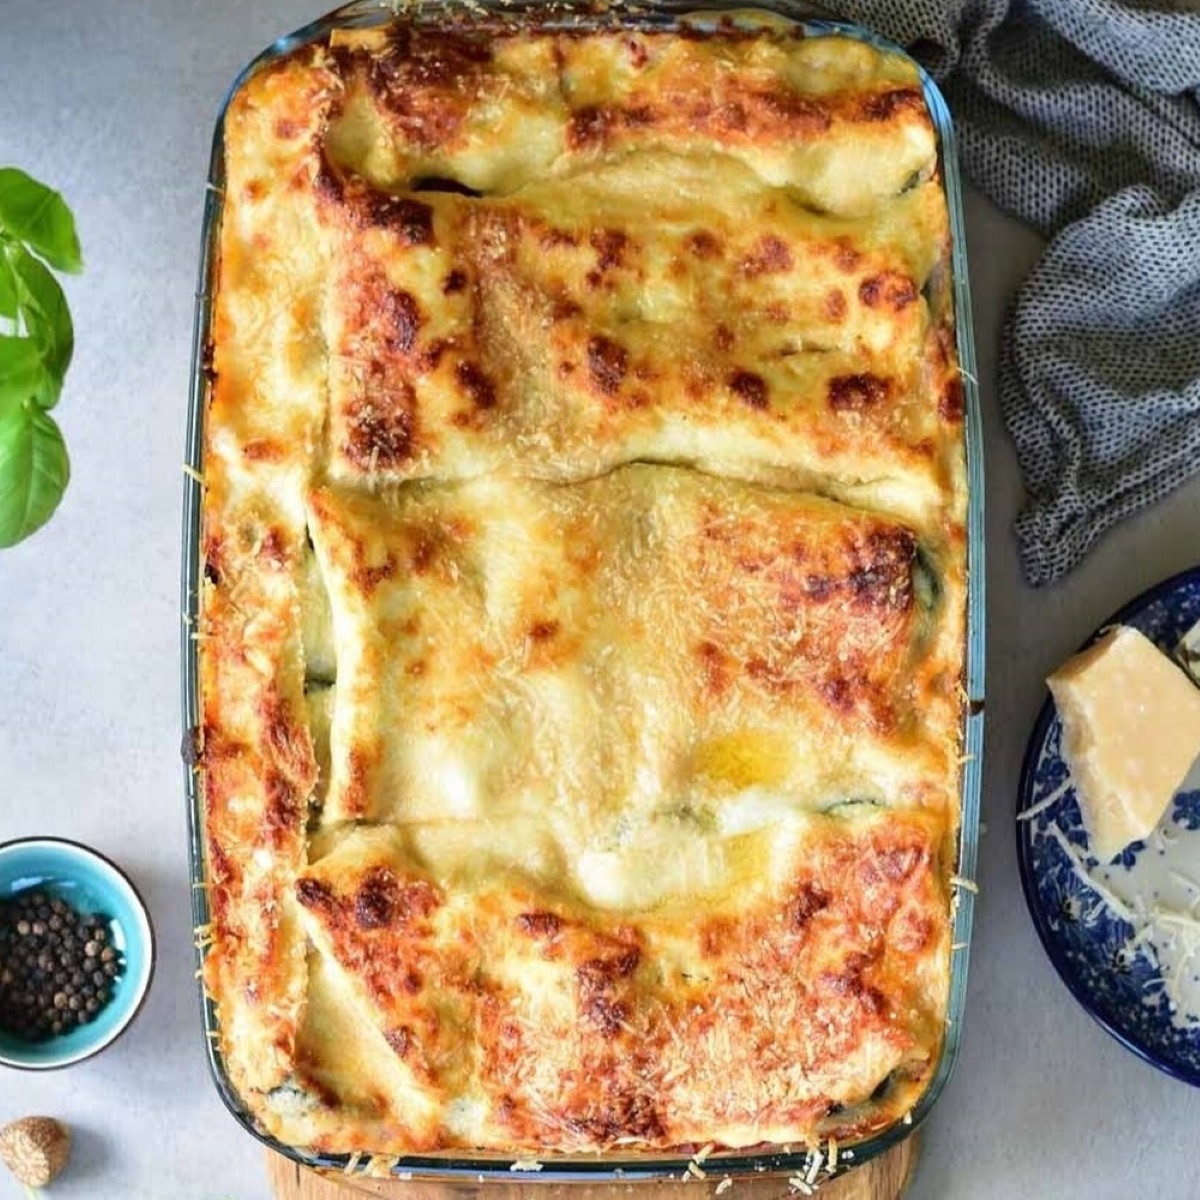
582, 617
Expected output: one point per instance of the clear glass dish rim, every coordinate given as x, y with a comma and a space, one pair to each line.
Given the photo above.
632, 1167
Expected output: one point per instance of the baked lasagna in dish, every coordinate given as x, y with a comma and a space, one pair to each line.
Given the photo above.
583, 605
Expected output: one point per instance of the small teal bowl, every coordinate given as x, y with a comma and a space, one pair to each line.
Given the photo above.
90, 883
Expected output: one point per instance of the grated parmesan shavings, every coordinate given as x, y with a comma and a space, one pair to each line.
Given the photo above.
815, 1163
381, 1166
1046, 802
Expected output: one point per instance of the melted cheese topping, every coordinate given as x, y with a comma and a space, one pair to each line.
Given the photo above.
522, 1018
583, 603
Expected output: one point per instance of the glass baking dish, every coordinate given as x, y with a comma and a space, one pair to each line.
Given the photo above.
624, 1165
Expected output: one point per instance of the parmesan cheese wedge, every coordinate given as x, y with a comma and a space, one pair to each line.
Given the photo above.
1187, 652
1131, 731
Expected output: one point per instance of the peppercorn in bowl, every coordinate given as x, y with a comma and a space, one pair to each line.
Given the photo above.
76, 953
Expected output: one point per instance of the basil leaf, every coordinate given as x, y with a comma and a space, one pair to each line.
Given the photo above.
34, 470
47, 321
8, 287
22, 375
39, 217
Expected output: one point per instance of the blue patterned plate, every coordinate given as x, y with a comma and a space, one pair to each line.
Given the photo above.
1125, 935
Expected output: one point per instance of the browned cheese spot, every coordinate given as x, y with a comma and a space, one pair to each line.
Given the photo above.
857, 393
424, 551
632, 1112
476, 384
563, 308
590, 126
715, 668
368, 207
845, 256
749, 388
381, 900
551, 239
838, 692
607, 364
432, 354
376, 900
770, 256
911, 932
400, 1039
285, 807
882, 574
850, 985
884, 105
598, 978
952, 401
399, 320
264, 450
704, 244
381, 427
541, 924
314, 894
369, 578
799, 113
427, 83
329, 188
411, 219
433, 59
807, 901
891, 289
610, 246
731, 117
273, 548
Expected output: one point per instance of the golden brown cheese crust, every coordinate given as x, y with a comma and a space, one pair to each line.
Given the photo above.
582, 621
790, 621
554, 1023
584, 324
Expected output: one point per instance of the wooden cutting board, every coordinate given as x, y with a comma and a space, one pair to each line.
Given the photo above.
883, 1178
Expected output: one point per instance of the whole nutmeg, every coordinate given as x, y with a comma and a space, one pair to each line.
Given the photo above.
35, 1149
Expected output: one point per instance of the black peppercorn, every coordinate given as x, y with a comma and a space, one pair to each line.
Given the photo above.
57, 965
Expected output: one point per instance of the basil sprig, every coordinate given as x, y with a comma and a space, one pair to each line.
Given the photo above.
37, 232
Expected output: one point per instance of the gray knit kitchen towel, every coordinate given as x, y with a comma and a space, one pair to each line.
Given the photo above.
1082, 118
